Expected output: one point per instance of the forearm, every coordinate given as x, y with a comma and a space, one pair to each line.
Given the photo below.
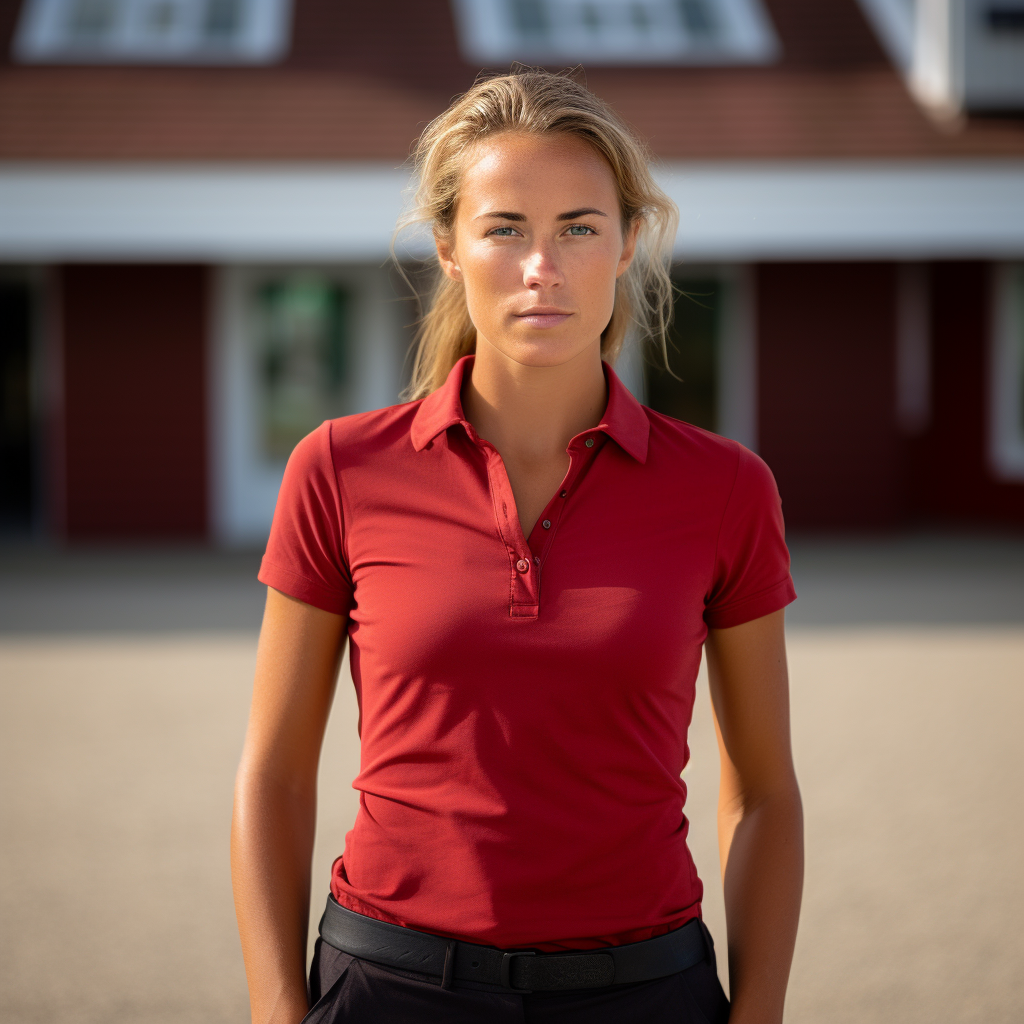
271, 850
762, 857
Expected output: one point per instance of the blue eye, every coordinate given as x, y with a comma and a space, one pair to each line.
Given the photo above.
502, 232
581, 229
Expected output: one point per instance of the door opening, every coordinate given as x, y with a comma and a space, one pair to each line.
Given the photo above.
17, 484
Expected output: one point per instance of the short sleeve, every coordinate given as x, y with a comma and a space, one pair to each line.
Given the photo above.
305, 554
751, 575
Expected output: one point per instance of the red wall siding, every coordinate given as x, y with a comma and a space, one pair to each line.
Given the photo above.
950, 474
826, 367
135, 400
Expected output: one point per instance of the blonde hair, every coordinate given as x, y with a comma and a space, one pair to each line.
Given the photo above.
538, 102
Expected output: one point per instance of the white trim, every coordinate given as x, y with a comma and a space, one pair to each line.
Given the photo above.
823, 210
737, 357
196, 211
734, 211
630, 367
1006, 367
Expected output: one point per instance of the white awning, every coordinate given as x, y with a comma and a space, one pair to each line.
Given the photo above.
347, 212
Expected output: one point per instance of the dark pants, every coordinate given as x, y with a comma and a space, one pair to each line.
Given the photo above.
347, 990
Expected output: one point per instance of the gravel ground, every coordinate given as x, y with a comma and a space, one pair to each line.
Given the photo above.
124, 684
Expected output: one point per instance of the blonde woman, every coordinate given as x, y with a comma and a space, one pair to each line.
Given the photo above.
526, 563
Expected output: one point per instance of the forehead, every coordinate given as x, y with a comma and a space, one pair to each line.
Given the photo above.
540, 170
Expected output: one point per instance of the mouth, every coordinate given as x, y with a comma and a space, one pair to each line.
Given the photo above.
543, 316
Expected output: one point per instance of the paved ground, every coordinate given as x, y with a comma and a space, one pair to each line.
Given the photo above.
124, 682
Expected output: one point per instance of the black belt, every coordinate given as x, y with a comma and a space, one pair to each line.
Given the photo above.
519, 969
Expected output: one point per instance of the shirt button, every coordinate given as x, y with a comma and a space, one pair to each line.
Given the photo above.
523, 565
546, 524
590, 442
536, 558
563, 494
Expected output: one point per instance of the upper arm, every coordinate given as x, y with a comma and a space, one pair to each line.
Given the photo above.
296, 672
749, 684
309, 595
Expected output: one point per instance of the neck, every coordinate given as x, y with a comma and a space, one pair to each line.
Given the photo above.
532, 412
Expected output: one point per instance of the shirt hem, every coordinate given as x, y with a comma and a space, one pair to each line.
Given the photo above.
754, 607
301, 588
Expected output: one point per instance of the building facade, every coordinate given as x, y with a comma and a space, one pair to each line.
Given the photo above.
195, 237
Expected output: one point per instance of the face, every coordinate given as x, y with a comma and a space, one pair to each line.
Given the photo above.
538, 245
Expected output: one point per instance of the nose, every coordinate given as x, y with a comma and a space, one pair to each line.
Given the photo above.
541, 268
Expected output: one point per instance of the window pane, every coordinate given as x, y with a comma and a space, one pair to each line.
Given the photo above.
153, 31
615, 31
303, 348
691, 394
530, 17
92, 19
697, 18
223, 18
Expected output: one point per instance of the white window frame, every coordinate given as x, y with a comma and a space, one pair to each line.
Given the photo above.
489, 37
736, 369
43, 36
1006, 374
243, 480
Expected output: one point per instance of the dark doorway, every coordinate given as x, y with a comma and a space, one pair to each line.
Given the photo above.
134, 339
827, 392
16, 470
690, 391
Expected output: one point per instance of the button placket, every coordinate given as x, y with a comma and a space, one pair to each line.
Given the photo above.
526, 556
524, 588
544, 529
581, 453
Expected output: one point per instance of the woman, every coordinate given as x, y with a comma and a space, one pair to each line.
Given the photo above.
526, 563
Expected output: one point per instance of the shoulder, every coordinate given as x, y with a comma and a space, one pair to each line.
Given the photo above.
673, 441
722, 466
358, 437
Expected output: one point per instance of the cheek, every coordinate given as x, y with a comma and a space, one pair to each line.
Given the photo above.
487, 276
595, 280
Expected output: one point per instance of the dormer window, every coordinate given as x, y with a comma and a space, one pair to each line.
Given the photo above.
153, 31
592, 32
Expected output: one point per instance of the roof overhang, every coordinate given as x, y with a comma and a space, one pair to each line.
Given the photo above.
347, 212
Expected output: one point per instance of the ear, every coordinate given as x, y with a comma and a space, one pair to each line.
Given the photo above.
628, 248
446, 257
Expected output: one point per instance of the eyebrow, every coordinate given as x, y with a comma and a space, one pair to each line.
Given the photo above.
571, 215
583, 212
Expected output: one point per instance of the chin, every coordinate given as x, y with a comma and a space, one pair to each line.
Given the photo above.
542, 348
544, 352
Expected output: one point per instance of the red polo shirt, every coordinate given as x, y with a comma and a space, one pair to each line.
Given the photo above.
525, 701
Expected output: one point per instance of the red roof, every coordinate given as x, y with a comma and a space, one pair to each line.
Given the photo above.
361, 80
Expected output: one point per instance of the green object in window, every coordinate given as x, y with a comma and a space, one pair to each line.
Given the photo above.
303, 357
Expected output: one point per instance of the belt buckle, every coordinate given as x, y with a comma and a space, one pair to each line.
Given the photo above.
505, 969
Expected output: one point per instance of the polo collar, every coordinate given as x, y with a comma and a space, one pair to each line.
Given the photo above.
624, 419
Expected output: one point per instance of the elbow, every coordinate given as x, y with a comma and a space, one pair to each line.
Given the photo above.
777, 797
271, 790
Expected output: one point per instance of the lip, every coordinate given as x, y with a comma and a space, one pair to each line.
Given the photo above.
543, 316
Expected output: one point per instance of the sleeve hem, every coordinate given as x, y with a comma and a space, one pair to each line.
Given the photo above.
303, 589
754, 607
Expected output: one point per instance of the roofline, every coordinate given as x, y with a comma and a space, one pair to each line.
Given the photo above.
346, 212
